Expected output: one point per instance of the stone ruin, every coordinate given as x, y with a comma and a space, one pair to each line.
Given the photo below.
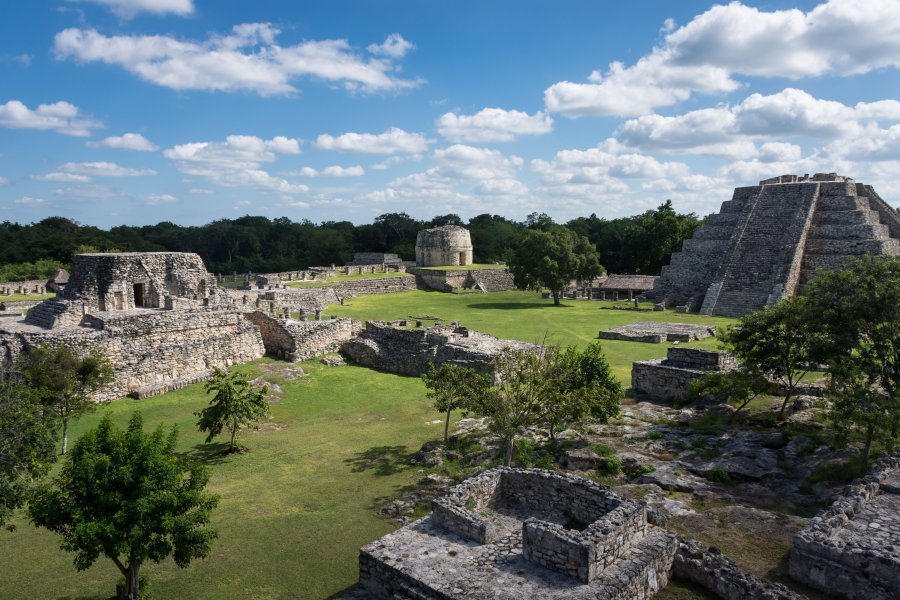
667, 378
657, 332
399, 349
522, 533
301, 340
449, 245
768, 240
852, 549
157, 316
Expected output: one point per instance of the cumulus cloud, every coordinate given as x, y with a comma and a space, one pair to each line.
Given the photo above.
29, 201
838, 37
103, 169
157, 199
393, 46
61, 117
128, 141
237, 161
333, 171
492, 125
392, 141
129, 8
732, 131
247, 59
56, 176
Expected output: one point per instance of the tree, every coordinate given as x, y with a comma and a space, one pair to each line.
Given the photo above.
236, 403
552, 259
27, 440
857, 314
65, 380
776, 343
452, 387
738, 387
126, 495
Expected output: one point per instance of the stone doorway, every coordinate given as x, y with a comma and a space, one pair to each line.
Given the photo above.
138, 295
118, 301
462, 259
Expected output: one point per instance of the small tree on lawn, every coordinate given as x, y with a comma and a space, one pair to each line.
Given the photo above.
776, 343
738, 387
452, 387
126, 495
552, 259
27, 440
65, 380
236, 403
856, 402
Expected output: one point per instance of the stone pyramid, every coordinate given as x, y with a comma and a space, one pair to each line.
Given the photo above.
768, 240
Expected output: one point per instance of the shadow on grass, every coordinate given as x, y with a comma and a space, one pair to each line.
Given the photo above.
343, 592
383, 460
516, 305
213, 453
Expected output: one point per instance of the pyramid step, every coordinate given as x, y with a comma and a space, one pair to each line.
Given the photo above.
855, 247
848, 217
849, 231
827, 203
714, 232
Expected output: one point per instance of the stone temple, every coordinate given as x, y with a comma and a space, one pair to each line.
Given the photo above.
768, 240
446, 246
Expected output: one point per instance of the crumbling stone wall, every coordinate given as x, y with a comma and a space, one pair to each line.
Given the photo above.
670, 377
318, 298
449, 245
301, 340
447, 280
852, 549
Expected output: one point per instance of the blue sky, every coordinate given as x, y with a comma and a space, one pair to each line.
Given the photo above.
138, 111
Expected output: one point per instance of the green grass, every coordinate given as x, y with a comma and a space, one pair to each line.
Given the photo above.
479, 267
26, 297
342, 278
526, 316
295, 509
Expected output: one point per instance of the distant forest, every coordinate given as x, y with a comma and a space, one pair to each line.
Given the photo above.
637, 244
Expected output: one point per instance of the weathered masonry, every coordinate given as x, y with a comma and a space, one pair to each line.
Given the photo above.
666, 378
446, 246
768, 240
852, 549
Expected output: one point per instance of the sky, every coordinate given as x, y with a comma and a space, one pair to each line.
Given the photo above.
134, 112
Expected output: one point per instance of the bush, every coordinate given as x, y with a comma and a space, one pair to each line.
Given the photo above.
639, 470
718, 475
613, 465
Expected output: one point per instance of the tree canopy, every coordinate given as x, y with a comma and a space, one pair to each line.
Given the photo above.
126, 495
552, 259
236, 403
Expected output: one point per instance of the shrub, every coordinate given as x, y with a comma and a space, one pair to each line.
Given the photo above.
718, 475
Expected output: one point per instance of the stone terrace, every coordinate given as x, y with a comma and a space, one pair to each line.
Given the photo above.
852, 549
657, 332
508, 533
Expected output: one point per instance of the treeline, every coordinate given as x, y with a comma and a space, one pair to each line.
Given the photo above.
637, 244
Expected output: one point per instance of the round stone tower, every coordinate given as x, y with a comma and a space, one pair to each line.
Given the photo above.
446, 246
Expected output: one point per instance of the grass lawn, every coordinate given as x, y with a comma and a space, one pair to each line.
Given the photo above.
295, 509
26, 297
341, 278
526, 316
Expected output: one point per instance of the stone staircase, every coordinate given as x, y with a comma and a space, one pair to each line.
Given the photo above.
54, 313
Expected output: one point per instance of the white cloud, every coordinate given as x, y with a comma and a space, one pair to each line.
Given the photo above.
103, 169
333, 171
62, 177
392, 141
246, 59
157, 199
4, 181
129, 8
128, 141
200, 191
839, 37
236, 162
492, 125
61, 117
393, 46
29, 201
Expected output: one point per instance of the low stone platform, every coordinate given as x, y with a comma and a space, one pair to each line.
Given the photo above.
522, 533
654, 332
852, 549
670, 377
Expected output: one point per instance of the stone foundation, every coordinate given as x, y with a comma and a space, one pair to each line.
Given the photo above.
670, 377
852, 549
657, 332
301, 340
485, 280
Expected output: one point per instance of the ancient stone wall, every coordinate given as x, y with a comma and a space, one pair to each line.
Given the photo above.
445, 246
852, 549
447, 280
301, 340
669, 378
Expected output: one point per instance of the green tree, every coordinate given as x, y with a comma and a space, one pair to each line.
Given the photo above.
857, 403
856, 311
126, 495
552, 259
236, 403
65, 380
738, 387
452, 387
27, 440
776, 343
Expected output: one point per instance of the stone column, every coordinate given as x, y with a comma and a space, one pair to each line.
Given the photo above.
303, 316
318, 315
272, 307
